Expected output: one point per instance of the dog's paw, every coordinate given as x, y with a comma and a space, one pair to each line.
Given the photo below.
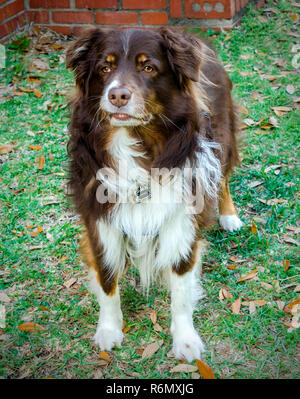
108, 336
230, 222
188, 345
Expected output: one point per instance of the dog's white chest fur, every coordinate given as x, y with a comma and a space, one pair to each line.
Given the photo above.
154, 234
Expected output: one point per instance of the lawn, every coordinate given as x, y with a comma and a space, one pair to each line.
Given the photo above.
249, 326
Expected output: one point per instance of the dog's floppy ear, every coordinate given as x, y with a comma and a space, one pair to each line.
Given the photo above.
184, 55
82, 55
78, 50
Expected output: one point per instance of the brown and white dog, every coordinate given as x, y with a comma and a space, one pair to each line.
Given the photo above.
153, 141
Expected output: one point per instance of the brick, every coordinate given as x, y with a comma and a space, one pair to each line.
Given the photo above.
96, 3
144, 4
237, 5
154, 18
12, 9
49, 4
176, 9
39, 17
118, 18
64, 30
72, 17
207, 9
77, 30
11, 25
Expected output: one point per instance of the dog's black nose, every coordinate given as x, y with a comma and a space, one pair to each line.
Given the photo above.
119, 96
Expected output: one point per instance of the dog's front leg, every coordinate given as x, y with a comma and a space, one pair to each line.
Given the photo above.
185, 292
105, 259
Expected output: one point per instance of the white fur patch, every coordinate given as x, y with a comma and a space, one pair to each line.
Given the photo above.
185, 292
230, 222
159, 232
109, 330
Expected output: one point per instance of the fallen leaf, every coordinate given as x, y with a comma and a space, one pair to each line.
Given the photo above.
236, 259
157, 327
280, 305
243, 109
35, 147
286, 264
44, 308
183, 368
70, 282
224, 294
290, 240
290, 89
6, 148
255, 183
205, 371
153, 317
253, 228
25, 89
41, 160
272, 167
150, 350
104, 355
294, 17
30, 327
248, 276
232, 267
289, 307
273, 201
126, 329
4, 297
39, 64
37, 93
252, 307
294, 229
236, 306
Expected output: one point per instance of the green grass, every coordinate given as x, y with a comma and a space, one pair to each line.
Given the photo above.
34, 269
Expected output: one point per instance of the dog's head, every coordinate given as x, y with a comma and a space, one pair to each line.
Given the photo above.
135, 76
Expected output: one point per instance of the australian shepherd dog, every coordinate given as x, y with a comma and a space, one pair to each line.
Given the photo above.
152, 144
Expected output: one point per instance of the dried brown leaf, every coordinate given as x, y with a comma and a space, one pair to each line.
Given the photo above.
150, 350
286, 264
35, 147
248, 276
253, 228
183, 368
236, 306
153, 316
70, 282
41, 161
105, 356
205, 370
37, 93
30, 327
6, 148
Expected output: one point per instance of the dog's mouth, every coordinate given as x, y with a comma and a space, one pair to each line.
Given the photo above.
121, 119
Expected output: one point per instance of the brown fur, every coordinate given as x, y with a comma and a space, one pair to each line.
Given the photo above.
188, 109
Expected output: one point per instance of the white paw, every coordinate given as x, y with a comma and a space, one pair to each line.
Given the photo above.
187, 345
108, 336
230, 222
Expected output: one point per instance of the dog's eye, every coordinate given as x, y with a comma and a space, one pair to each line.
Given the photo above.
105, 69
148, 68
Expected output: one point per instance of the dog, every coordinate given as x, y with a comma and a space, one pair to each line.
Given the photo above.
153, 140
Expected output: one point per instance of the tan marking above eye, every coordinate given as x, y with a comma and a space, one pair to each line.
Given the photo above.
142, 58
110, 58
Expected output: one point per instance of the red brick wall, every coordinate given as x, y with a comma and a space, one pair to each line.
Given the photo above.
70, 16
12, 16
